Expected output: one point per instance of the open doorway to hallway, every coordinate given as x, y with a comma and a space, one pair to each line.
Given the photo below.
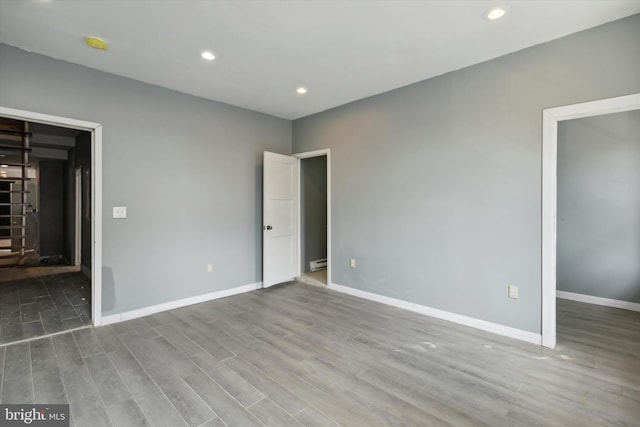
45, 240
313, 220
598, 237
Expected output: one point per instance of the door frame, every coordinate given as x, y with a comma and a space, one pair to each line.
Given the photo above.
77, 252
306, 155
96, 193
550, 119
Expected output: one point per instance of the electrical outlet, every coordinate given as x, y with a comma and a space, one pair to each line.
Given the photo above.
209, 268
513, 292
120, 212
352, 264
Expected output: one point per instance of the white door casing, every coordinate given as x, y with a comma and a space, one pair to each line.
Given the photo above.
279, 219
96, 193
550, 119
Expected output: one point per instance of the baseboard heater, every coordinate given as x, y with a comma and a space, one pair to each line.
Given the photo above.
319, 264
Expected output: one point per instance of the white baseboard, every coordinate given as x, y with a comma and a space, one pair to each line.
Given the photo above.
495, 328
590, 299
146, 311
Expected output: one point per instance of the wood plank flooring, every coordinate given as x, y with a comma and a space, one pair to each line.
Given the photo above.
295, 355
38, 306
9, 274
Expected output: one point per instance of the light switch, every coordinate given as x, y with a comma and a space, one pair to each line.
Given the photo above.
120, 212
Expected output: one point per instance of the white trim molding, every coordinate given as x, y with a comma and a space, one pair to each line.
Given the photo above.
170, 305
494, 328
608, 302
550, 119
96, 193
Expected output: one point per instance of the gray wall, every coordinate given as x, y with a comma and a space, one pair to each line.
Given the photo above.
599, 206
437, 186
189, 170
313, 175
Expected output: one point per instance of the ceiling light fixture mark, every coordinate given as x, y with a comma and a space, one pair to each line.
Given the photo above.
497, 12
96, 43
209, 56
301, 90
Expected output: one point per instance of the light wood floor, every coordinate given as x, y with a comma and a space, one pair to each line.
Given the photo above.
296, 355
315, 278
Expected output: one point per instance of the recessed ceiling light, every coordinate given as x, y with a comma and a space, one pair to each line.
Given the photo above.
96, 43
4, 166
209, 56
301, 90
496, 12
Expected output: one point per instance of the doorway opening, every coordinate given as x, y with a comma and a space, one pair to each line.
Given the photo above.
50, 226
314, 232
283, 257
551, 117
313, 221
598, 238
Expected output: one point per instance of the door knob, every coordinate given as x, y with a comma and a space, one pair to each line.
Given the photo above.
268, 227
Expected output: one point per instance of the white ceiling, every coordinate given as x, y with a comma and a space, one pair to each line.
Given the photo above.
340, 50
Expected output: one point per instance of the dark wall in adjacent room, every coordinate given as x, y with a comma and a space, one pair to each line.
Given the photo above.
51, 209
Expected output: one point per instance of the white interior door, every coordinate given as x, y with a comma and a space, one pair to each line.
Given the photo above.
279, 219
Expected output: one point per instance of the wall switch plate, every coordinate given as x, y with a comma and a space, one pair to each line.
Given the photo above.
120, 212
352, 264
513, 292
209, 268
